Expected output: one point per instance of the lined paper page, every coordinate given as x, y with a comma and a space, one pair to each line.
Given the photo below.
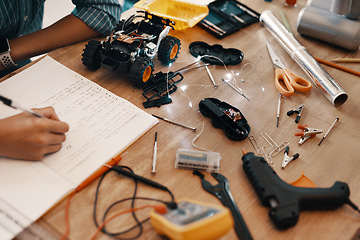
101, 125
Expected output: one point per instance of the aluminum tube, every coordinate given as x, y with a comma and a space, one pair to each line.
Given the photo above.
316, 21
327, 85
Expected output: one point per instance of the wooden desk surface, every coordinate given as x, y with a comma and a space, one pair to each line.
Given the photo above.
337, 159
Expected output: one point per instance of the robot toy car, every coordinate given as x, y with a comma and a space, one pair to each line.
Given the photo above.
132, 46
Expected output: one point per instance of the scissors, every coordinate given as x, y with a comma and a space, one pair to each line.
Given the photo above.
291, 82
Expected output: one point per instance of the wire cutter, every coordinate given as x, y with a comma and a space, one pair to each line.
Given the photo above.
286, 82
307, 133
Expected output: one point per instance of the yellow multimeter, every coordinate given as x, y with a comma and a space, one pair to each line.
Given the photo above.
193, 220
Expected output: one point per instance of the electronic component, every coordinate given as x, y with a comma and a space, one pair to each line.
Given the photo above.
225, 116
209, 161
132, 46
193, 220
228, 16
158, 88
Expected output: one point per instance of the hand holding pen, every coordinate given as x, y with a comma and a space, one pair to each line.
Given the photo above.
11, 103
24, 136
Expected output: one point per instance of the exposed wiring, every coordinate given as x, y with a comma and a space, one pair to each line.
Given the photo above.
67, 222
158, 208
101, 227
132, 199
196, 137
132, 206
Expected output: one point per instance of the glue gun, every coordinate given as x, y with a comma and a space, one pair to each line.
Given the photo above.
286, 200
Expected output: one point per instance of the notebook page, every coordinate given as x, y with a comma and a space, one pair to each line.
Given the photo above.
101, 125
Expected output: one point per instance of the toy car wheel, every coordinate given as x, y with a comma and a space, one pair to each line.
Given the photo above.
140, 71
91, 56
169, 49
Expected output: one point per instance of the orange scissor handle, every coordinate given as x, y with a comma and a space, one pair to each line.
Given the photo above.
282, 83
299, 84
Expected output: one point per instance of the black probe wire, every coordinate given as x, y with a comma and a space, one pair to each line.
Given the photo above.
170, 204
137, 225
133, 198
123, 200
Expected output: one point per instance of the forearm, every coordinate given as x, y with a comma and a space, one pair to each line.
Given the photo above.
66, 31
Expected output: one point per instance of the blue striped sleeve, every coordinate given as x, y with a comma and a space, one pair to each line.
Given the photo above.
100, 15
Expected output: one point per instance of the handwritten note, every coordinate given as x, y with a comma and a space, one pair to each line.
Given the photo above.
101, 125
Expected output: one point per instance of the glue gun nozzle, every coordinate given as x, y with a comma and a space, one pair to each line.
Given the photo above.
244, 151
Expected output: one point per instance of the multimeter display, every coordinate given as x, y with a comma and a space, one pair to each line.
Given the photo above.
187, 213
193, 220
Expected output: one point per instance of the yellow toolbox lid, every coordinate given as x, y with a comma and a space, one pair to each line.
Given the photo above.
184, 14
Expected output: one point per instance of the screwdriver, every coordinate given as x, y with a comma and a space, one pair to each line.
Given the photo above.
278, 110
332, 125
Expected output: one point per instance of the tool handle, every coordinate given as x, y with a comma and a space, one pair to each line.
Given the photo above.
228, 201
287, 148
286, 200
282, 83
222, 192
299, 84
291, 112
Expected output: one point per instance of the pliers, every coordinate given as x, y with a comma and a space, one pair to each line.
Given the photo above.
222, 192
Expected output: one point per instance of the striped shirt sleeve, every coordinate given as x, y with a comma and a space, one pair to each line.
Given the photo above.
100, 15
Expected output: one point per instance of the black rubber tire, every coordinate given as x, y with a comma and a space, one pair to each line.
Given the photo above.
169, 49
91, 56
141, 71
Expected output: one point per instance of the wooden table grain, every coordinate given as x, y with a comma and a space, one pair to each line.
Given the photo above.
337, 159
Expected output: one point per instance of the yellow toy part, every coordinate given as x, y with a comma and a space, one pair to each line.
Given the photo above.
184, 14
193, 220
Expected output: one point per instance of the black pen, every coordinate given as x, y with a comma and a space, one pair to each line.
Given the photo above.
14, 105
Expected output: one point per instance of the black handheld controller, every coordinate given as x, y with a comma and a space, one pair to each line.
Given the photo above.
286, 200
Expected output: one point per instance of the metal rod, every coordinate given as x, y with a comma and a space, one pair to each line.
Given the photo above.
214, 26
154, 155
191, 68
188, 65
332, 125
175, 123
235, 89
278, 110
211, 77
